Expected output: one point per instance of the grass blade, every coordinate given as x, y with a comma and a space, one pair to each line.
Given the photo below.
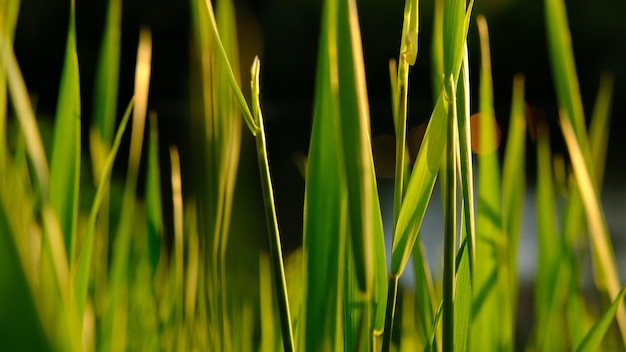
513, 188
9, 11
325, 198
591, 342
600, 240
278, 269
154, 211
486, 336
82, 270
65, 164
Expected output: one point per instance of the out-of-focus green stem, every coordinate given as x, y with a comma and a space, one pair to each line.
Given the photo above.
250, 121
276, 255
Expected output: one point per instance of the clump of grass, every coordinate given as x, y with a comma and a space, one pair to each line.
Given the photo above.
63, 293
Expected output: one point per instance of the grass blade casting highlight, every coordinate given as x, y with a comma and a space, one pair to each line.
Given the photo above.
278, 270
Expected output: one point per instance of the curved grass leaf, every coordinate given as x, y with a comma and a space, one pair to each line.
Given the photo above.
592, 341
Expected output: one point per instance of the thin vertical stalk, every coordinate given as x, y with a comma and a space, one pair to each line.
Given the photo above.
276, 256
450, 223
389, 316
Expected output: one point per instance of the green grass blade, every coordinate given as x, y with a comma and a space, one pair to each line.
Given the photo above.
602, 248
278, 269
465, 160
552, 271
591, 342
513, 188
228, 70
424, 293
564, 68
599, 128
107, 75
81, 272
178, 250
488, 305
433, 329
325, 198
65, 163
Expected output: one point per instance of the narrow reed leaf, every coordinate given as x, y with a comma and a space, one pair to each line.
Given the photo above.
600, 241
278, 269
553, 272
513, 188
107, 75
65, 163
9, 11
81, 272
433, 329
564, 67
490, 244
115, 323
228, 70
178, 253
465, 160
424, 293
154, 211
592, 340
463, 299
24, 112
599, 128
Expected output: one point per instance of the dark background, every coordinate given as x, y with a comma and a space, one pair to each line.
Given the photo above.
285, 34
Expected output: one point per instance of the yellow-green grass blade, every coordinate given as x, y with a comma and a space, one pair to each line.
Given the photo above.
9, 11
154, 211
65, 163
423, 176
592, 340
488, 300
433, 330
22, 106
82, 271
602, 249
325, 198
107, 74
178, 251
115, 323
278, 269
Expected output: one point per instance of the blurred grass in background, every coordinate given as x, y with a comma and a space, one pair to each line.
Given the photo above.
144, 231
